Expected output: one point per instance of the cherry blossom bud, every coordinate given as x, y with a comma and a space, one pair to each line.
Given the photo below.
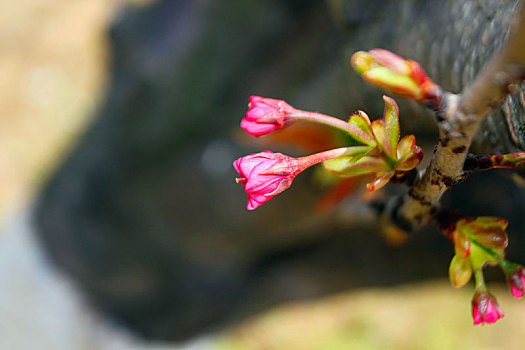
266, 115
401, 77
266, 174
485, 308
516, 282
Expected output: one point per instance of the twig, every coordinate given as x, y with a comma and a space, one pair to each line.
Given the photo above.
458, 122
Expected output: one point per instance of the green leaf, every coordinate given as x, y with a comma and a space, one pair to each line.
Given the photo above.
351, 166
362, 123
361, 136
352, 154
378, 126
391, 127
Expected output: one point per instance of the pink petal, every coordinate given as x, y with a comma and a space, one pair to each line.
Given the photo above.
245, 165
516, 292
390, 60
257, 129
492, 314
254, 201
263, 184
476, 316
259, 110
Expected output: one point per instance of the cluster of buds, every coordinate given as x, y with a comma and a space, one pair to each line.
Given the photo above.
380, 153
476, 241
404, 78
388, 156
479, 242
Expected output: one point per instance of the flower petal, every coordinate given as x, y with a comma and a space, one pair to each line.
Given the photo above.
391, 61
257, 129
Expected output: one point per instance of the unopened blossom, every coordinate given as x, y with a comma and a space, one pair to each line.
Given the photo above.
390, 155
266, 115
264, 175
516, 282
485, 308
391, 72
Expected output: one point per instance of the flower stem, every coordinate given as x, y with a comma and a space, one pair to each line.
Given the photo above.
313, 159
480, 279
324, 119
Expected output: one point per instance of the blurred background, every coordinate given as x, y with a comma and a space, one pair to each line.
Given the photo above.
123, 226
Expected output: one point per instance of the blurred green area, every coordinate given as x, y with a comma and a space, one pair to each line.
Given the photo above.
429, 315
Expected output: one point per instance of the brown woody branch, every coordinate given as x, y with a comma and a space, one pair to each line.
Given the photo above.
458, 121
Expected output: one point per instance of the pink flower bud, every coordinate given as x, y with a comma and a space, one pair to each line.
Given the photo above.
485, 308
265, 175
266, 115
391, 61
516, 282
401, 77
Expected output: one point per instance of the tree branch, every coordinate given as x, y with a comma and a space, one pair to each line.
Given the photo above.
458, 121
